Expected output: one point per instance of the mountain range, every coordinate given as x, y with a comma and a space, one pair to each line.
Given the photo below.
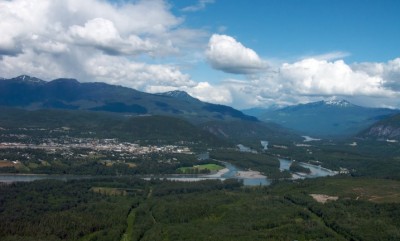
332, 118
80, 101
32, 93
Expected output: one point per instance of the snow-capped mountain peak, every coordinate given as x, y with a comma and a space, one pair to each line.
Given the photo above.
336, 102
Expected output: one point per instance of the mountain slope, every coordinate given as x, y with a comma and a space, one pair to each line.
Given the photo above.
249, 132
388, 128
154, 129
32, 94
256, 111
335, 118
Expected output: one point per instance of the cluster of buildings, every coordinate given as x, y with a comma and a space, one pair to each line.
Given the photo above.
67, 143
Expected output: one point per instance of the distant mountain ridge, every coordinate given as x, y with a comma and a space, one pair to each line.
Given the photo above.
32, 93
329, 118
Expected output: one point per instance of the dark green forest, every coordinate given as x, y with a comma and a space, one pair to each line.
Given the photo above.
133, 209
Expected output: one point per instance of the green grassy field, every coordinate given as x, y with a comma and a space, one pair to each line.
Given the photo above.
200, 168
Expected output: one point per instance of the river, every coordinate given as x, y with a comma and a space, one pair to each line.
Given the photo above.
249, 178
10, 178
316, 171
230, 171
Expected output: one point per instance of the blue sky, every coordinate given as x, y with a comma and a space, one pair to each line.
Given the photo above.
356, 30
235, 52
369, 30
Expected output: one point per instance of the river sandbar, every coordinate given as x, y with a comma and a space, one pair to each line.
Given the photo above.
250, 174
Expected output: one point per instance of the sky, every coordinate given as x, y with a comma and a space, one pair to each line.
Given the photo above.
258, 53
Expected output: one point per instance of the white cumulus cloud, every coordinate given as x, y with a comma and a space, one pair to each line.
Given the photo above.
102, 34
142, 76
211, 93
203, 91
226, 54
370, 84
201, 4
321, 77
121, 42
389, 72
309, 79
